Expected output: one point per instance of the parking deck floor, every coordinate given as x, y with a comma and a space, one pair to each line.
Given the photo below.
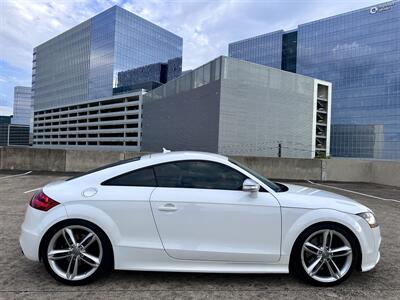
21, 278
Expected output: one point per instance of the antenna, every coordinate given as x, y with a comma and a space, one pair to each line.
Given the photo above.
165, 150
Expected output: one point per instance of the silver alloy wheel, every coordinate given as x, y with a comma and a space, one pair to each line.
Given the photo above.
326, 255
74, 252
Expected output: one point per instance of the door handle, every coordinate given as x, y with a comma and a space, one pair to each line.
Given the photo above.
168, 207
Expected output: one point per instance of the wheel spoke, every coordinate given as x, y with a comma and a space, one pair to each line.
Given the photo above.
325, 239
72, 270
88, 240
90, 259
330, 239
68, 232
341, 251
59, 254
311, 248
75, 270
331, 271
335, 267
314, 267
64, 234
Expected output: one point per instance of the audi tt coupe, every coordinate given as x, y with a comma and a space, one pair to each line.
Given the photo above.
195, 212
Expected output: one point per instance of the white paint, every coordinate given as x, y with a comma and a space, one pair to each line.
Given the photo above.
16, 175
354, 192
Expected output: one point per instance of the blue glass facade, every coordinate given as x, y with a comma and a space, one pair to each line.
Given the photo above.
23, 114
264, 49
83, 63
359, 52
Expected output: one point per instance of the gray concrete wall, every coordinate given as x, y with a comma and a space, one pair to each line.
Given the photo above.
385, 172
263, 107
347, 170
283, 168
80, 161
15, 158
376, 171
194, 126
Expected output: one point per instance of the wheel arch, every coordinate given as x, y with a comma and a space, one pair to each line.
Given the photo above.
344, 227
71, 221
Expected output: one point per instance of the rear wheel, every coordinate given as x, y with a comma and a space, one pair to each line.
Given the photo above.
325, 255
76, 252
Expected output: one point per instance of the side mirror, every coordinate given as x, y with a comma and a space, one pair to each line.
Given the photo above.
250, 185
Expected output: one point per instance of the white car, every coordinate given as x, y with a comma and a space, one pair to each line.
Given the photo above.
195, 212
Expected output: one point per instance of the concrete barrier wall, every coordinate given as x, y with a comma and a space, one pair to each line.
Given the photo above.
24, 158
81, 161
347, 170
382, 172
386, 172
283, 168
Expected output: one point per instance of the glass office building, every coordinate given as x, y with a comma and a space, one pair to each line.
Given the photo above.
83, 63
264, 49
359, 52
23, 113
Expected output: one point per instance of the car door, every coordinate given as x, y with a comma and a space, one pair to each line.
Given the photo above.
201, 213
126, 200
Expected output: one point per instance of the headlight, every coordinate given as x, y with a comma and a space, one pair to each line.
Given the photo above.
370, 218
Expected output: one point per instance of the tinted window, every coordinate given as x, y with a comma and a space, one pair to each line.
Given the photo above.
142, 177
198, 174
272, 185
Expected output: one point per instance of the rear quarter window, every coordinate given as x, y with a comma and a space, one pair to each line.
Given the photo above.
143, 177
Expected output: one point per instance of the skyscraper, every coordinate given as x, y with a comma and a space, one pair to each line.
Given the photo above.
78, 101
83, 63
23, 113
359, 52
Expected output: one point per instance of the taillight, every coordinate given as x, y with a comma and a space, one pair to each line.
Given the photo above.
42, 202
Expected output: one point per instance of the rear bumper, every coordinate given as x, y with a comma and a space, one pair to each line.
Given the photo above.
35, 225
29, 242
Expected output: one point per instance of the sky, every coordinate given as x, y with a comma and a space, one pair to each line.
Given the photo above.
207, 27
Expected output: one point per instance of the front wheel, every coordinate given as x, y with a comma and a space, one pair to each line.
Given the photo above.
76, 252
325, 255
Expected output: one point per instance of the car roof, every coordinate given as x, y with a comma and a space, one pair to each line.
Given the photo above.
173, 155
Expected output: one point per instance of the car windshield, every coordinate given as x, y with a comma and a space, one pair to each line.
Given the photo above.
272, 185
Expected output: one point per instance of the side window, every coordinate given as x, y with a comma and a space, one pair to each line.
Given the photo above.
168, 175
199, 174
142, 177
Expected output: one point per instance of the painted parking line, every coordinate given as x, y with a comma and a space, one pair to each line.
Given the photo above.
16, 175
30, 191
354, 192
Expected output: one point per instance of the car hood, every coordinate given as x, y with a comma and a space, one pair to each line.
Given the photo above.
309, 198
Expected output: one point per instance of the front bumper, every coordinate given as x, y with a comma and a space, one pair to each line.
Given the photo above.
371, 254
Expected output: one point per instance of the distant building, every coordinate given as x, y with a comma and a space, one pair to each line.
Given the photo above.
369, 139
236, 107
358, 52
83, 63
12, 134
148, 77
5, 119
111, 123
83, 98
23, 110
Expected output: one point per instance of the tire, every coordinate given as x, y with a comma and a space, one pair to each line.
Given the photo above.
312, 262
76, 252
